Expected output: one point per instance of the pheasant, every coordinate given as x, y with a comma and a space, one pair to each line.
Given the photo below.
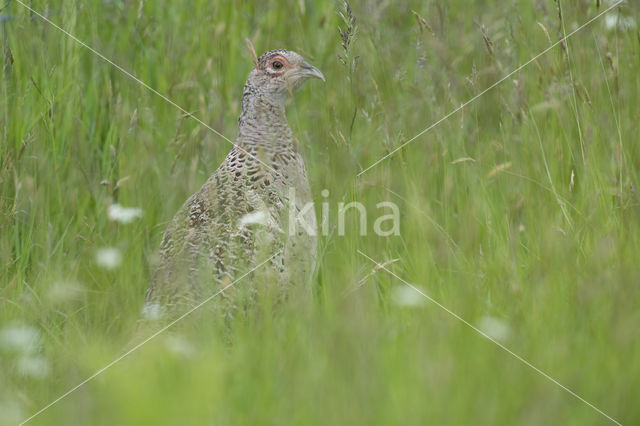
242, 215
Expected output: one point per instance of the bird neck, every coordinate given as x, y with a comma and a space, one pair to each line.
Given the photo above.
262, 123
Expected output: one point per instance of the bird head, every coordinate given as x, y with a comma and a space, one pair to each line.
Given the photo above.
278, 73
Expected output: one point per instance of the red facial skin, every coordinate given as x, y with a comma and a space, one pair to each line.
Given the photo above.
273, 71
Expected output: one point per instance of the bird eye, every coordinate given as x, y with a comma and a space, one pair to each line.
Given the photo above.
277, 65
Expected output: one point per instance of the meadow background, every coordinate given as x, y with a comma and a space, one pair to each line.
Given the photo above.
520, 213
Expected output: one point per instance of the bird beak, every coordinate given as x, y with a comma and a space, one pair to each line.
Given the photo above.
307, 70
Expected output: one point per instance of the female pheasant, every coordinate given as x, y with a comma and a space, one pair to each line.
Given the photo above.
254, 207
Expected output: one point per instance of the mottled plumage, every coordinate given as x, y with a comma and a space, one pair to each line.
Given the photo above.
240, 216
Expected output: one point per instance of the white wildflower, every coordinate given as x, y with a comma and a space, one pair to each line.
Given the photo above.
494, 328
10, 412
623, 23
21, 338
258, 218
152, 311
122, 214
403, 295
179, 345
108, 257
65, 291
34, 366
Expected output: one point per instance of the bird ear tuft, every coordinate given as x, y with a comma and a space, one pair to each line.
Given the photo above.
252, 51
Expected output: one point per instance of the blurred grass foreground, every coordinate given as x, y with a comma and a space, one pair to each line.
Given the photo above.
519, 212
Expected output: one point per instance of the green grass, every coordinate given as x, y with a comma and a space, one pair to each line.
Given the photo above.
541, 230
